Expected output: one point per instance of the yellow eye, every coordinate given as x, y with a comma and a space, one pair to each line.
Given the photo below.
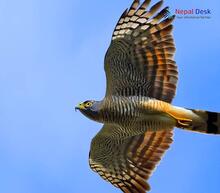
88, 104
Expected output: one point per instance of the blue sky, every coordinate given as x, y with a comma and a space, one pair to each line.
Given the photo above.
51, 58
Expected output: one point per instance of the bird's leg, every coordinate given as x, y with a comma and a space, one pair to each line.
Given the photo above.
182, 122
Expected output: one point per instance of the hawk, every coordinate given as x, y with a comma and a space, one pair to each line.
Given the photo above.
136, 111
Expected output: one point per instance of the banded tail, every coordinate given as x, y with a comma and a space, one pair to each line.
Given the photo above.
211, 123
196, 120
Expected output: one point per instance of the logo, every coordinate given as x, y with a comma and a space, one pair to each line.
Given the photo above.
193, 13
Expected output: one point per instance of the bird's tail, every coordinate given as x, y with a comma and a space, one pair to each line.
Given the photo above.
196, 120
211, 122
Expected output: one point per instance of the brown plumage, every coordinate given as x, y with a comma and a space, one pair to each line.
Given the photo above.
136, 111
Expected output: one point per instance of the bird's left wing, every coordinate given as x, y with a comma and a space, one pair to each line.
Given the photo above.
127, 161
139, 60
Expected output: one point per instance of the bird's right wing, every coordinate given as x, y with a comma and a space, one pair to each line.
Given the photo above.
139, 60
128, 161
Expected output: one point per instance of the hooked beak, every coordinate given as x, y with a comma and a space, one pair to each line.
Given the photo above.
79, 107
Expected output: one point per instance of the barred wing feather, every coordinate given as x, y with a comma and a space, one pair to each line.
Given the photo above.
139, 60
127, 162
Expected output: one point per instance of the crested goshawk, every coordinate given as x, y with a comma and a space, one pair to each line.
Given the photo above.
136, 111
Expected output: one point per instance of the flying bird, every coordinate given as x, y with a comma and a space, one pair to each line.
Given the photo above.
136, 111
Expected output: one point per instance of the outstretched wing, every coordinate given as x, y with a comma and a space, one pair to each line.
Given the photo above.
127, 161
139, 60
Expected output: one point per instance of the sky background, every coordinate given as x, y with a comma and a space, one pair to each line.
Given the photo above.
51, 58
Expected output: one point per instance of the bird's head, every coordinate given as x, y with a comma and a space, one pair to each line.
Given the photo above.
90, 109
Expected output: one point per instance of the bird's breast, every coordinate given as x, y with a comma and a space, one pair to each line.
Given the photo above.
122, 109
137, 112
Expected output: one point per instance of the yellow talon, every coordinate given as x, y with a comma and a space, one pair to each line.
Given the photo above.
182, 122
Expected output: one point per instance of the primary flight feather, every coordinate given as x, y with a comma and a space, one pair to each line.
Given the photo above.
136, 111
